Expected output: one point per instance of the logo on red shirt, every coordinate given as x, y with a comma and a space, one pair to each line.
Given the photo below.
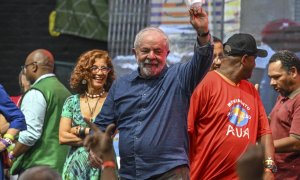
238, 117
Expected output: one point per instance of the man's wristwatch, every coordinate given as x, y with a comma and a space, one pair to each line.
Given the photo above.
269, 164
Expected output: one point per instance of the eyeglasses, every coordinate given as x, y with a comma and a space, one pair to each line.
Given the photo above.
26, 65
103, 69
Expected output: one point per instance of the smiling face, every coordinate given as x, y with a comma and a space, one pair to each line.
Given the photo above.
151, 53
281, 79
99, 73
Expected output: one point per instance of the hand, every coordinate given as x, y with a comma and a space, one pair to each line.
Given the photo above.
75, 130
95, 161
268, 176
198, 19
100, 144
256, 87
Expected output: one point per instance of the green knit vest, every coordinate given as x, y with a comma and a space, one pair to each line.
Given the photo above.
47, 150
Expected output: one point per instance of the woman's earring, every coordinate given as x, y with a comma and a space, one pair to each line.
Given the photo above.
83, 81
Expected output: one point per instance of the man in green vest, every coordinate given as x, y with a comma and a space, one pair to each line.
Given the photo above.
42, 105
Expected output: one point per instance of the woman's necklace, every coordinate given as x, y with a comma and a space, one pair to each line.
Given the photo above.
92, 110
95, 95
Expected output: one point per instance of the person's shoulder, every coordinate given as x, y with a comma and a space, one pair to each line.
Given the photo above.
2, 90
247, 85
208, 81
72, 98
246, 82
297, 100
127, 77
211, 77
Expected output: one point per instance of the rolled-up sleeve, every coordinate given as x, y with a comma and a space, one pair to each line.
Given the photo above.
34, 108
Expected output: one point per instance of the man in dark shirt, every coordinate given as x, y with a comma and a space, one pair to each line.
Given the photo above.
150, 105
284, 69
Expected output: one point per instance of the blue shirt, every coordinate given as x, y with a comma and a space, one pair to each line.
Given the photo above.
12, 114
151, 115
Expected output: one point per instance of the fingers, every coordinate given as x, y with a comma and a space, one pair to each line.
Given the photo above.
256, 86
91, 125
110, 129
196, 10
95, 161
87, 142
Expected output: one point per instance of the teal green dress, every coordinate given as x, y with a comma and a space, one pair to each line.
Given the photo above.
77, 164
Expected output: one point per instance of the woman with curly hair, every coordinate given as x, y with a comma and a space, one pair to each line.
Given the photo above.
91, 79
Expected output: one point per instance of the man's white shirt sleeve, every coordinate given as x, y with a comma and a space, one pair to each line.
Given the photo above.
34, 108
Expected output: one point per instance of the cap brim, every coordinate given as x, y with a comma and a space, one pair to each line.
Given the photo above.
262, 53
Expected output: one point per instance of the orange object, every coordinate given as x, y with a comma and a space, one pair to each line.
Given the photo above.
108, 164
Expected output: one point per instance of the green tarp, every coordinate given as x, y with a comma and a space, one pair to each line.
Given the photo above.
84, 18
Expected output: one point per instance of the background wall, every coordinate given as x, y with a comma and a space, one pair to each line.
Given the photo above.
24, 28
257, 13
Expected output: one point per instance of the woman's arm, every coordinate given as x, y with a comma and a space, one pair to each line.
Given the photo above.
67, 134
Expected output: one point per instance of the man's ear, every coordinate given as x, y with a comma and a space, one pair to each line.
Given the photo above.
35, 67
293, 71
134, 51
244, 59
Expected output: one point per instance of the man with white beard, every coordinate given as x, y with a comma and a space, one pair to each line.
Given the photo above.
150, 105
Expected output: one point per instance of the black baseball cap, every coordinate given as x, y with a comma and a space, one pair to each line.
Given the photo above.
241, 44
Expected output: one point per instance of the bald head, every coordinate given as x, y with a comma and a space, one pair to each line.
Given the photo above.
40, 172
43, 58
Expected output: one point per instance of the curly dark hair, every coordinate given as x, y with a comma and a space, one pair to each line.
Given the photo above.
82, 71
288, 59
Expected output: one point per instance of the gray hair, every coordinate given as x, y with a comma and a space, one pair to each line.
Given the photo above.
139, 35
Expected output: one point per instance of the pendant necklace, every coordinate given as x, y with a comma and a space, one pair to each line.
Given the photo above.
92, 110
92, 96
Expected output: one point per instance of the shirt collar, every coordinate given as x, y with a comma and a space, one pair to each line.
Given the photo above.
227, 79
294, 93
43, 77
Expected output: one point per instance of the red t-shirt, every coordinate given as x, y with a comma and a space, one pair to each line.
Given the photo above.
223, 120
285, 120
